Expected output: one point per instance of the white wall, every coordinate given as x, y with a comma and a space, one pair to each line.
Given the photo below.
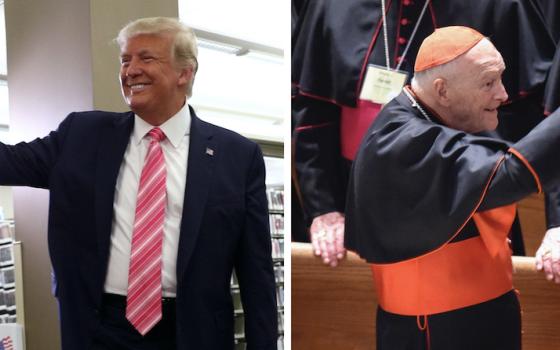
6, 202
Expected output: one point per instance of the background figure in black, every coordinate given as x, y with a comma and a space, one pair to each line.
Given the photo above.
551, 11
299, 230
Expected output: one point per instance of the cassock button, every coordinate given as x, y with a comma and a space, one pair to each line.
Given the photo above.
402, 41
404, 21
407, 2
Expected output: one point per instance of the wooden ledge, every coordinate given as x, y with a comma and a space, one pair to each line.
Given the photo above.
334, 308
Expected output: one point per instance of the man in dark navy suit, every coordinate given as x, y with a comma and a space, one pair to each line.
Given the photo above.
151, 210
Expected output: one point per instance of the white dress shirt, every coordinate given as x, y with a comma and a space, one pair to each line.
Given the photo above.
175, 150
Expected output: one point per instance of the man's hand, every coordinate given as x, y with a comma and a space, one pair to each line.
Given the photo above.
548, 255
327, 237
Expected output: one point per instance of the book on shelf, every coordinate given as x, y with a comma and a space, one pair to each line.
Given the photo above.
275, 196
276, 224
277, 248
279, 274
280, 295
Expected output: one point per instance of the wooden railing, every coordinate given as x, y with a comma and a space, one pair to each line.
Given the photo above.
334, 308
533, 226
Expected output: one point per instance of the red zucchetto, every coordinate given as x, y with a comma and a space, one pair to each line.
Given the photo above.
444, 45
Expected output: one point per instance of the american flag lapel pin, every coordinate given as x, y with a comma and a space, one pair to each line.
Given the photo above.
209, 151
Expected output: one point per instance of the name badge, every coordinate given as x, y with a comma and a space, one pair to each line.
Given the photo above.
382, 85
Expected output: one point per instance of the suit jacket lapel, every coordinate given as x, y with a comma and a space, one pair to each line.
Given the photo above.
199, 173
114, 140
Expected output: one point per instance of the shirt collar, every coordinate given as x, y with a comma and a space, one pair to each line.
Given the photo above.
174, 128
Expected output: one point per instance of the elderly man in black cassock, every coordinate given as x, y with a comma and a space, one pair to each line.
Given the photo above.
430, 203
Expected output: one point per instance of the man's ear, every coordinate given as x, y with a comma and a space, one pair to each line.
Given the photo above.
441, 92
185, 76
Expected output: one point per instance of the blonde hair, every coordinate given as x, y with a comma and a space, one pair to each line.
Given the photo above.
184, 48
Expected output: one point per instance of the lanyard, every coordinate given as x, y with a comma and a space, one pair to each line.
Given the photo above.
385, 36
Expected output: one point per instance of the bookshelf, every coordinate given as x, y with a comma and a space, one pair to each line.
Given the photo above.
7, 273
275, 194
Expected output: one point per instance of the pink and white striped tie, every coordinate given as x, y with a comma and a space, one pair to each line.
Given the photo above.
143, 303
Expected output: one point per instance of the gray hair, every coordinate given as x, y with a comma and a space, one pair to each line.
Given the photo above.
184, 47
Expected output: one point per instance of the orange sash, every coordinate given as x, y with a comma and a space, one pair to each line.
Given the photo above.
454, 276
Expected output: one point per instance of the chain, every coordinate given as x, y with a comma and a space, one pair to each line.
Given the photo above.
416, 104
386, 36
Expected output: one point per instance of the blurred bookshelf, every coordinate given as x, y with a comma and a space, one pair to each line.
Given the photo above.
11, 288
8, 248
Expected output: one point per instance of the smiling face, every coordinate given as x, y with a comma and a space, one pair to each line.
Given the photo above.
152, 84
476, 91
